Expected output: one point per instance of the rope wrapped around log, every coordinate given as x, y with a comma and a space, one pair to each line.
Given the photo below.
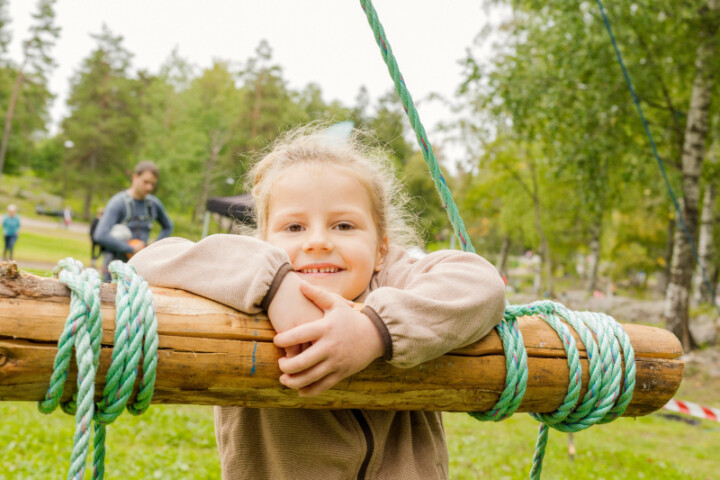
212, 354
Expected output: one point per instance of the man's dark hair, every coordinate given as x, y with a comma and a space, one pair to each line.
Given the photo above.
146, 166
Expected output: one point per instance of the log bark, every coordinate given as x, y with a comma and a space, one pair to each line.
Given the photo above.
212, 354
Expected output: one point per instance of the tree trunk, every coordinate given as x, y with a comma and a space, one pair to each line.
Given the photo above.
10, 114
683, 262
90, 188
664, 274
211, 354
544, 244
594, 262
501, 265
215, 147
706, 246
257, 107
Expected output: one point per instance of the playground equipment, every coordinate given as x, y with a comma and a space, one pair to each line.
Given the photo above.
209, 353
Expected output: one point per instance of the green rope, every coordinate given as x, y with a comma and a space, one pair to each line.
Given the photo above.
609, 388
427, 151
135, 337
604, 400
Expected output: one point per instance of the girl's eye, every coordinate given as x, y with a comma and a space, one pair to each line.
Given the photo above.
294, 227
345, 226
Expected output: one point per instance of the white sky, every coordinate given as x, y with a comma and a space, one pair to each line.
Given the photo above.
328, 42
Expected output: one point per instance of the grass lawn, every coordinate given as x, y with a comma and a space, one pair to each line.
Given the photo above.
49, 246
177, 442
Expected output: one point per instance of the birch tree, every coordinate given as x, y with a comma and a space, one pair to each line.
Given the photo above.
696, 131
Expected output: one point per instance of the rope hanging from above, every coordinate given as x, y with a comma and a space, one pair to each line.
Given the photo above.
427, 151
610, 392
135, 337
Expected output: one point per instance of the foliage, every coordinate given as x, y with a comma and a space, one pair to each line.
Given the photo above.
102, 129
554, 98
25, 96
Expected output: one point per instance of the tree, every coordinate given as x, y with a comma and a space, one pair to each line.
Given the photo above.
678, 293
36, 56
703, 280
103, 123
213, 106
5, 36
554, 89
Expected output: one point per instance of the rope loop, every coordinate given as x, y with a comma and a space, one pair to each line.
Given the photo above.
135, 337
606, 344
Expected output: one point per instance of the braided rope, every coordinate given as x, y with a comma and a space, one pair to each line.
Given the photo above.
606, 344
427, 151
135, 336
82, 323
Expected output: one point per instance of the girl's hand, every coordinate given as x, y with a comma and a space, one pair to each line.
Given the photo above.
344, 342
290, 308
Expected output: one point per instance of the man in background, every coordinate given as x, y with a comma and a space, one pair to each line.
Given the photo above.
129, 216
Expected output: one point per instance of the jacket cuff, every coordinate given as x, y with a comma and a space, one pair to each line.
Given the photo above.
382, 330
284, 269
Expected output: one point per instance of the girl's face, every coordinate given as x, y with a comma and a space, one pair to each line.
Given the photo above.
322, 217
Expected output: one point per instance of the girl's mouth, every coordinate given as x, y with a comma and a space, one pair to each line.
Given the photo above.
319, 269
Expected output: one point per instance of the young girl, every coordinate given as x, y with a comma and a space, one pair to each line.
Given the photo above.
330, 269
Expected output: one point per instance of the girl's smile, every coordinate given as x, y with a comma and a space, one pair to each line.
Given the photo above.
322, 217
319, 269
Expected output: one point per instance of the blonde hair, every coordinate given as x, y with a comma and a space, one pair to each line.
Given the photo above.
314, 145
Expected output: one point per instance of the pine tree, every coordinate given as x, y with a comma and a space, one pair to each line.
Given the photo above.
36, 59
103, 125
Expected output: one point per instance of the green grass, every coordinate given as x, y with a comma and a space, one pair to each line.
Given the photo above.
177, 442
650, 447
167, 442
49, 246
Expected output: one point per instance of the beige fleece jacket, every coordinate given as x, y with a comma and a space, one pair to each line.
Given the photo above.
422, 309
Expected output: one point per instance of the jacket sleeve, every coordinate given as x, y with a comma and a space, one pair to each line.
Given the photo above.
238, 271
430, 306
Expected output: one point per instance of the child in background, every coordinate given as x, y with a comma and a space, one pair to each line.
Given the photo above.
330, 267
11, 227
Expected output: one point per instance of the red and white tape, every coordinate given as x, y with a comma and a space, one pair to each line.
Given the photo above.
693, 409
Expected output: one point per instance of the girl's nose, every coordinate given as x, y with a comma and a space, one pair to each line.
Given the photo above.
317, 239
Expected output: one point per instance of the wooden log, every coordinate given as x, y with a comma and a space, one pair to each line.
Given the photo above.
212, 354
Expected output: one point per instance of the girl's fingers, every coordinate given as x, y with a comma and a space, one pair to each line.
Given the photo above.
322, 299
302, 362
293, 350
325, 383
305, 333
306, 377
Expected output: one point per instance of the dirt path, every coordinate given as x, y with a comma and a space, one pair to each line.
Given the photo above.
78, 227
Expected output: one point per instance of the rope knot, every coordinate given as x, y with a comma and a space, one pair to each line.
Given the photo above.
135, 337
605, 342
